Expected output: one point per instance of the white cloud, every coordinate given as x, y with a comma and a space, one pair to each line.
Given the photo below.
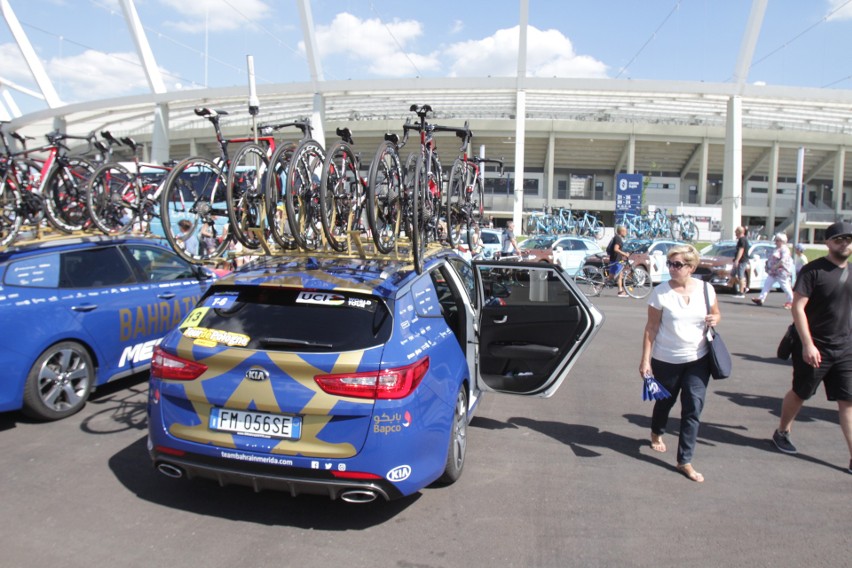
12, 64
843, 13
457, 27
379, 48
549, 54
95, 75
215, 15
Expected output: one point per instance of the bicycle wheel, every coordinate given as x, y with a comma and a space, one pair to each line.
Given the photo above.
636, 281
418, 246
192, 201
597, 230
11, 209
279, 166
688, 231
64, 193
454, 206
112, 199
339, 195
384, 197
246, 195
301, 196
590, 280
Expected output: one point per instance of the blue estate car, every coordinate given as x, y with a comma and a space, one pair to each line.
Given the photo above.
77, 312
355, 378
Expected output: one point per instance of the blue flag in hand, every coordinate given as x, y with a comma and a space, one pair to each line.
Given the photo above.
653, 390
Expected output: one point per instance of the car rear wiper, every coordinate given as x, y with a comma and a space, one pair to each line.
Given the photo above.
291, 342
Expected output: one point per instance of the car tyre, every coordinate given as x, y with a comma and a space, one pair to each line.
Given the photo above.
59, 382
458, 441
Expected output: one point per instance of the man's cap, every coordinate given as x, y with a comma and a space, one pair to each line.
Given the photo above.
839, 229
800, 247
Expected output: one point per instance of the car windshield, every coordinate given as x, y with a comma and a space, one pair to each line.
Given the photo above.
720, 249
637, 246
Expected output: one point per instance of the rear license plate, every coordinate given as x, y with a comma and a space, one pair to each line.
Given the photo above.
256, 423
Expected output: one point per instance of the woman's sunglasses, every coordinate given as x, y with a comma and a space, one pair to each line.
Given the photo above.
675, 264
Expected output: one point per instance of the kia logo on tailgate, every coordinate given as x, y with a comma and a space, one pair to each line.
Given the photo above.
257, 374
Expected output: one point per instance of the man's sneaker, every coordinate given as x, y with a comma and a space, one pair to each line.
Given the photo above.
783, 443
739, 295
622, 295
757, 301
788, 306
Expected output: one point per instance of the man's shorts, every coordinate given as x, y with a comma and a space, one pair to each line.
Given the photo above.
615, 268
740, 269
835, 371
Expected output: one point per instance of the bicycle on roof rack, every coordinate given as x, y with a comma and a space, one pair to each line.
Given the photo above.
120, 198
464, 201
343, 194
34, 188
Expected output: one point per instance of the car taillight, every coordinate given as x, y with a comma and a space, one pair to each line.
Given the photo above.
173, 368
384, 384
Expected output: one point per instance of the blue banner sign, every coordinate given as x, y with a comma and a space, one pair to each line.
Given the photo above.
628, 195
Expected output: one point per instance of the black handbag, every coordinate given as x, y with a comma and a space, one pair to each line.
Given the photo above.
785, 348
720, 358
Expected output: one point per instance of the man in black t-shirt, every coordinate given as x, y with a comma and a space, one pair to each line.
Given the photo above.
616, 254
822, 312
738, 272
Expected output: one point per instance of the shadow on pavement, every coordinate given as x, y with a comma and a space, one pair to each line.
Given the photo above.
772, 404
132, 467
583, 439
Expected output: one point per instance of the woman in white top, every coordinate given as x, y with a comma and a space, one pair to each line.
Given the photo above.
675, 352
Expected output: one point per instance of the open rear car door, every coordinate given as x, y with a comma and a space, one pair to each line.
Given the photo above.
533, 324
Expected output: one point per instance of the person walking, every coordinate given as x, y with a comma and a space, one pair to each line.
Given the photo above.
822, 313
739, 282
779, 269
799, 260
616, 254
675, 351
508, 244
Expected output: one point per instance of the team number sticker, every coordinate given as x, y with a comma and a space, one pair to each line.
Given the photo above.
194, 318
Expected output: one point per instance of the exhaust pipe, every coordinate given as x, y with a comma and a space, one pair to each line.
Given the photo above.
170, 470
358, 496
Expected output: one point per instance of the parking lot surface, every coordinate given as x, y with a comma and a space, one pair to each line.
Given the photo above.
567, 481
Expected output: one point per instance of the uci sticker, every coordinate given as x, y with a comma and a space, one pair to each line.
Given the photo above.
194, 318
399, 473
320, 298
217, 336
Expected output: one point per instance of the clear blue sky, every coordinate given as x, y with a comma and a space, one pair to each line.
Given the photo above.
88, 53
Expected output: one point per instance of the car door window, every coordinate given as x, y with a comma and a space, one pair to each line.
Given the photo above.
158, 265
38, 272
94, 268
534, 322
465, 272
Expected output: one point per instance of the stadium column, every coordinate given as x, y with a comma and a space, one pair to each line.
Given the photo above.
732, 187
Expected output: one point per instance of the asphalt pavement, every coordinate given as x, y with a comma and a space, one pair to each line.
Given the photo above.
567, 481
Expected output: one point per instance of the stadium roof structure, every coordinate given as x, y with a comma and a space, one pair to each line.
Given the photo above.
601, 124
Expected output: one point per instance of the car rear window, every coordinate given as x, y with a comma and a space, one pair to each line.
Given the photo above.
278, 319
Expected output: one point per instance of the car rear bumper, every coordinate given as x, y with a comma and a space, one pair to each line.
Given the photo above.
260, 477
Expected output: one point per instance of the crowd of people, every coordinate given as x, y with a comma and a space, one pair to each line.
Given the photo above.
675, 348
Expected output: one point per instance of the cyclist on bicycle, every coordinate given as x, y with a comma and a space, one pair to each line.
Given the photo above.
616, 258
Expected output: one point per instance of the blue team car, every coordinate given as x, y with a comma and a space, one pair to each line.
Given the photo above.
355, 378
77, 312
